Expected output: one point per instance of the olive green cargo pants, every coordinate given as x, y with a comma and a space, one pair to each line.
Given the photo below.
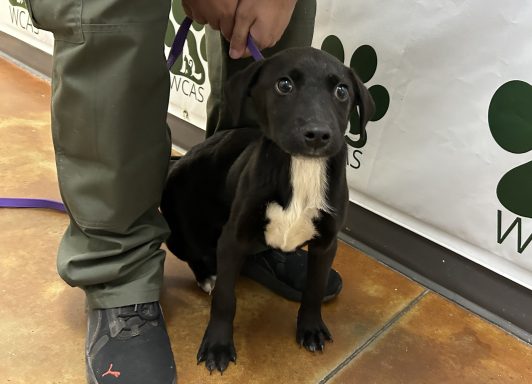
110, 90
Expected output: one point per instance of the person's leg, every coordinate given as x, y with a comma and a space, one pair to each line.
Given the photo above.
110, 90
110, 95
283, 273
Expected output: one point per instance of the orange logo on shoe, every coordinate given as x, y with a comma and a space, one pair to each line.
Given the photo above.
113, 373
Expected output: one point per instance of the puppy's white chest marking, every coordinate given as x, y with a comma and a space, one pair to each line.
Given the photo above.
293, 226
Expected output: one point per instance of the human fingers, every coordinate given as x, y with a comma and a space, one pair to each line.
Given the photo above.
238, 43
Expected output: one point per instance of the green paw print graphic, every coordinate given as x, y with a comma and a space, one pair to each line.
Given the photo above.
18, 3
189, 66
364, 63
510, 121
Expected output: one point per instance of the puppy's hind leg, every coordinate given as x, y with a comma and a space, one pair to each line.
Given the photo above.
174, 245
205, 273
203, 267
208, 284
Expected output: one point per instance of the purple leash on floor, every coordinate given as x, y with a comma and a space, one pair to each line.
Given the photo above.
15, 202
175, 52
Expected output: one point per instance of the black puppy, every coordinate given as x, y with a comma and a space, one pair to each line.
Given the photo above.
283, 184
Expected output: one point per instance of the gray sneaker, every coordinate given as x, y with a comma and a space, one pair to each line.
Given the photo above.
129, 345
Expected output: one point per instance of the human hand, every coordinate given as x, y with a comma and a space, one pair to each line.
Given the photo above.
219, 14
265, 20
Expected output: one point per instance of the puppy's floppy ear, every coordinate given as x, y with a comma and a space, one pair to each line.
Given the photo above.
366, 106
238, 89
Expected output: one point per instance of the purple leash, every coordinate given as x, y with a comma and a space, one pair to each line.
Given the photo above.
179, 42
181, 37
13, 202
175, 52
255, 52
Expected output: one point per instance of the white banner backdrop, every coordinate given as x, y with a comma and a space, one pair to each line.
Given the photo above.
438, 160
431, 163
15, 21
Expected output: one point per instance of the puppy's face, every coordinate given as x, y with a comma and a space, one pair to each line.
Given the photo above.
303, 98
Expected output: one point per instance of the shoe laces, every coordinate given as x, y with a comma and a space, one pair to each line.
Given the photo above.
147, 311
129, 320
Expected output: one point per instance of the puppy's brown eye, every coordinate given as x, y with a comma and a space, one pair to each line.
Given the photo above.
284, 86
341, 92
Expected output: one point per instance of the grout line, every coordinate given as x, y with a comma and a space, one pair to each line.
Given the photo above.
468, 305
375, 336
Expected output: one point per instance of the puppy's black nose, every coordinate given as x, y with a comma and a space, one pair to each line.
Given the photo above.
317, 137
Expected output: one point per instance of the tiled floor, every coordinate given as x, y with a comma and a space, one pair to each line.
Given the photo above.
386, 328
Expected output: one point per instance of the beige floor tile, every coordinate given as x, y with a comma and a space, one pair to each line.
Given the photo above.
41, 318
27, 166
439, 342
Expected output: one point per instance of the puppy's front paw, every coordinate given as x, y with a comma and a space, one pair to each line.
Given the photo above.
312, 335
216, 355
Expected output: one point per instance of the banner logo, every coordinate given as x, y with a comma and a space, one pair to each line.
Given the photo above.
364, 62
18, 3
21, 17
510, 121
188, 72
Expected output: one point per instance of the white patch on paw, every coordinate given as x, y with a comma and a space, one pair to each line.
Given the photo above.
289, 228
208, 284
